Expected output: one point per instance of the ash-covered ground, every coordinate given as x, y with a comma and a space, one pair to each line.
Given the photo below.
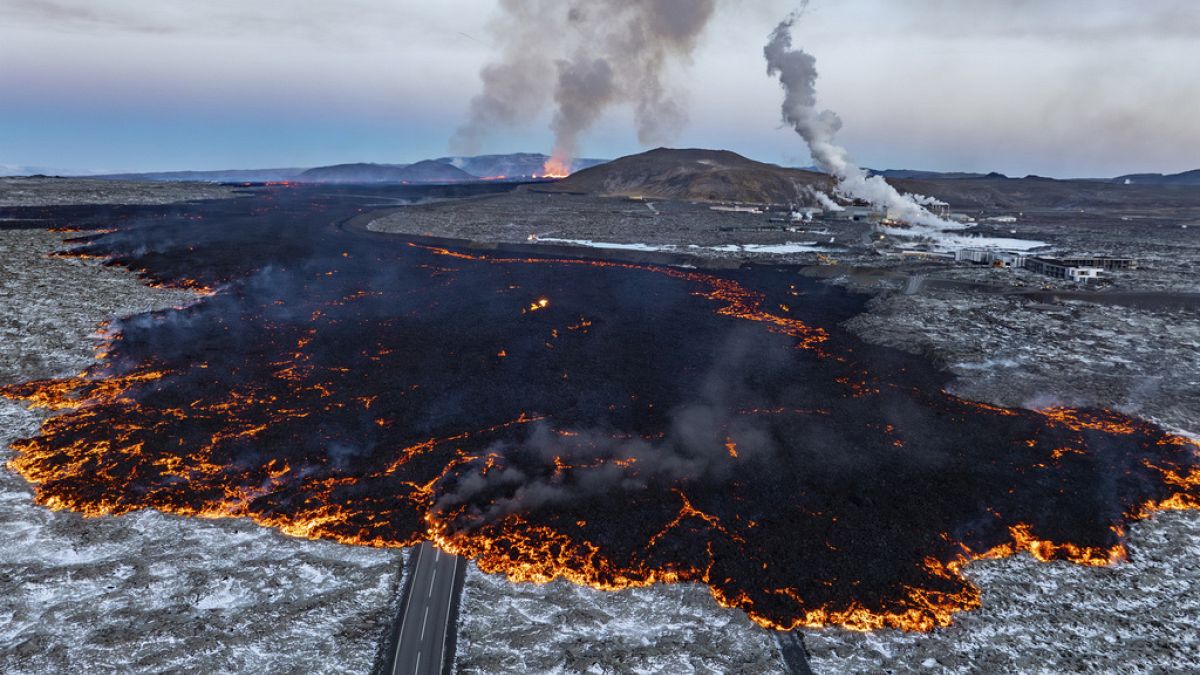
1005, 348
51, 191
150, 592
692, 228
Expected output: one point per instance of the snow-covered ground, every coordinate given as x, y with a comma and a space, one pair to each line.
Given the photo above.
149, 592
608, 244
560, 627
950, 242
1010, 351
766, 249
773, 249
1138, 617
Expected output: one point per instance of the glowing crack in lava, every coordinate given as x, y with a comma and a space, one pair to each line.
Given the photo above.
608, 423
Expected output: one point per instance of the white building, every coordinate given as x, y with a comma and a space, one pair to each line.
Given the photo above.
988, 256
1059, 269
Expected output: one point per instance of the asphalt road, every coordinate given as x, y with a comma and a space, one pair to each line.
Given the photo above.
421, 645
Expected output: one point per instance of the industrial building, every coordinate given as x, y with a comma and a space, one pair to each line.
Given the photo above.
927, 255
1071, 269
1058, 269
988, 256
858, 214
1109, 264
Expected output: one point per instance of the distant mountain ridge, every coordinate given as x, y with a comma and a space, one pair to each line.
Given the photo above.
525, 165
425, 171
1185, 178
515, 165
227, 176
914, 174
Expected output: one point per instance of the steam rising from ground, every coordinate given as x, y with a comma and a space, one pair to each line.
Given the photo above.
551, 468
797, 73
585, 56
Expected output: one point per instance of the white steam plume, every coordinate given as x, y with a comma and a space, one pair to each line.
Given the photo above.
797, 73
827, 202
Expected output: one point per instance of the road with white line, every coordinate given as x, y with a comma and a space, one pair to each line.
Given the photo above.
425, 615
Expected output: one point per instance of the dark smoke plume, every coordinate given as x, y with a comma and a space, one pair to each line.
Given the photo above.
584, 56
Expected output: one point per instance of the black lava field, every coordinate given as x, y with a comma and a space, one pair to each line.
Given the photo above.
615, 424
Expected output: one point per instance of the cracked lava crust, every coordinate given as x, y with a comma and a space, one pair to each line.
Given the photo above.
609, 423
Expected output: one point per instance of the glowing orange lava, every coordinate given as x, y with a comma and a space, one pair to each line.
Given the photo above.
555, 167
111, 452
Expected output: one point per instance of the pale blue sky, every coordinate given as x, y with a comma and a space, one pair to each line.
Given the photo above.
1054, 87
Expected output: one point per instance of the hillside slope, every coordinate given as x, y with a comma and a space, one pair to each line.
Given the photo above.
695, 175
1186, 178
427, 171
1041, 193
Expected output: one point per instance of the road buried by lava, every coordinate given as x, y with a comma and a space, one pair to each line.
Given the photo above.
614, 424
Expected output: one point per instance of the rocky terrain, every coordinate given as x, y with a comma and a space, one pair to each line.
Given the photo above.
1014, 352
1035, 194
166, 593
526, 216
560, 627
1036, 617
1136, 617
226, 176
1006, 349
1053, 617
49, 191
149, 592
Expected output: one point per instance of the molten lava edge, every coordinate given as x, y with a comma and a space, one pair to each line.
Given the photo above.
612, 424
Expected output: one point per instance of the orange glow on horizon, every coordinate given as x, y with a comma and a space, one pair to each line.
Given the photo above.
555, 167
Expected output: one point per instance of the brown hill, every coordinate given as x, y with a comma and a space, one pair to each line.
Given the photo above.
695, 175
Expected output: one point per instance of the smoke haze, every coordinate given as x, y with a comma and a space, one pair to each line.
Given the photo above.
584, 57
551, 468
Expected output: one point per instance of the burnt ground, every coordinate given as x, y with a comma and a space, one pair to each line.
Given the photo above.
512, 217
51, 191
1165, 238
1004, 349
150, 592
1155, 607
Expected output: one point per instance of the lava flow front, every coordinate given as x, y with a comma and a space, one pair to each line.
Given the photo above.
613, 424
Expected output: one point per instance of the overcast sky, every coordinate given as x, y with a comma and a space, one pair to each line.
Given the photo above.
1052, 87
